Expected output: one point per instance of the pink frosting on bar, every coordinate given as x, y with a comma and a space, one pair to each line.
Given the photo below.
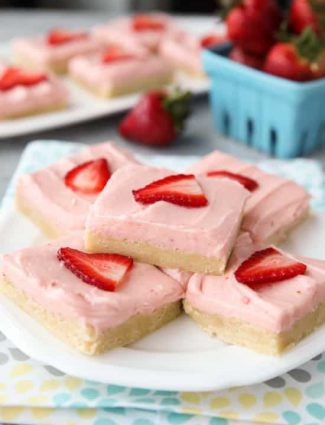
209, 231
179, 275
37, 272
120, 32
273, 207
275, 307
25, 99
38, 51
46, 192
183, 52
92, 71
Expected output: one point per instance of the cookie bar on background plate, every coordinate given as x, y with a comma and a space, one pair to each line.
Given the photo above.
52, 51
117, 72
138, 33
184, 51
24, 93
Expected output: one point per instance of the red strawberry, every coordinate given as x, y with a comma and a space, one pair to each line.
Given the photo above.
60, 36
212, 40
115, 54
88, 178
298, 59
157, 119
253, 24
267, 266
237, 54
180, 189
248, 183
147, 23
284, 61
105, 271
306, 13
13, 77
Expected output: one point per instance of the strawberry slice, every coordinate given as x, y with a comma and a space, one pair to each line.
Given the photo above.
89, 177
114, 54
31, 79
13, 77
147, 23
267, 266
248, 183
9, 78
180, 189
60, 36
212, 40
105, 271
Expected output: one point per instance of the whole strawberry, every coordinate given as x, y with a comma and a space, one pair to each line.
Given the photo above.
237, 54
307, 13
157, 119
301, 59
253, 24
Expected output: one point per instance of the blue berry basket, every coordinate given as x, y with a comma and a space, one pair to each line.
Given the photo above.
280, 117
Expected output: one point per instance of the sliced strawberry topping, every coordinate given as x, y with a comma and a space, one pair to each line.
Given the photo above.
267, 266
88, 178
59, 36
114, 54
105, 271
181, 189
147, 23
13, 77
248, 183
212, 40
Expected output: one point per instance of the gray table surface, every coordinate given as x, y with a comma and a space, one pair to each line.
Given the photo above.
199, 138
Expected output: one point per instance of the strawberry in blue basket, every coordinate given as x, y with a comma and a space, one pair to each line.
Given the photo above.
239, 55
299, 59
158, 118
253, 24
307, 13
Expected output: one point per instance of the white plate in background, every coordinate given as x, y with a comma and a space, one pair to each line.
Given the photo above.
85, 107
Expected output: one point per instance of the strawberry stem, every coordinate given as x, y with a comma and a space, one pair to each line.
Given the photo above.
227, 8
318, 7
177, 104
284, 34
308, 45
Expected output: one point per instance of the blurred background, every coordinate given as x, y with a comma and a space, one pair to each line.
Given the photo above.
118, 6
122, 6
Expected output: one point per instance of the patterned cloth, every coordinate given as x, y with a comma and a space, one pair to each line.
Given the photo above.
32, 393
